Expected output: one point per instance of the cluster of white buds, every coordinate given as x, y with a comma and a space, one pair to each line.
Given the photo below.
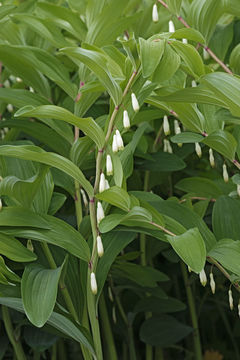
166, 127
117, 143
100, 249
109, 165
126, 120
211, 158
167, 146
171, 27
135, 104
225, 173
85, 201
230, 299
93, 283
184, 41
100, 212
198, 149
194, 84
238, 189
212, 283
203, 277
155, 13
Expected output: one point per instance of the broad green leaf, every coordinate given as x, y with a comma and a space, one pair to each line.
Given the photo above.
116, 196
34, 153
234, 60
190, 56
96, 62
189, 115
15, 250
221, 40
87, 125
190, 247
19, 216
19, 98
225, 218
199, 186
8, 273
130, 46
223, 142
188, 33
162, 161
159, 306
39, 292
5, 10
186, 138
168, 65
174, 6
79, 150
59, 322
151, 52
57, 201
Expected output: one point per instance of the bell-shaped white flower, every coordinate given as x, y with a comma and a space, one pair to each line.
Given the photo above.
206, 55
166, 127
100, 212
230, 299
93, 282
119, 140
18, 79
211, 158
114, 144
107, 186
155, 13
85, 201
203, 277
102, 183
194, 84
135, 103
184, 41
171, 27
109, 165
225, 173
165, 146
198, 149
10, 108
212, 283
100, 249
126, 121
176, 126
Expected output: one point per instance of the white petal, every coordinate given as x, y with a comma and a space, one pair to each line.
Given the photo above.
135, 103
126, 121
100, 249
155, 13
171, 26
93, 283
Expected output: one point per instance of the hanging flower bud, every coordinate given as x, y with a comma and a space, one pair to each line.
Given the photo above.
165, 146
126, 121
109, 165
84, 198
203, 277
30, 245
93, 283
114, 315
18, 79
211, 158
119, 140
114, 144
176, 126
212, 283
0, 204
206, 55
169, 148
107, 186
166, 127
110, 295
100, 212
135, 103
155, 13
100, 249
7, 84
10, 108
102, 183
198, 149
194, 84
238, 189
184, 41
171, 27
31, 89
230, 299
225, 173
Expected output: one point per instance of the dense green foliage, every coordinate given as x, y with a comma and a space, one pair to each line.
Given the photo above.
93, 91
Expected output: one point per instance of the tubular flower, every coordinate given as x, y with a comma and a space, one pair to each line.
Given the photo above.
100, 212
171, 27
93, 283
100, 249
203, 277
114, 144
135, 103
206, 55
119, 140
102, 183
198, 149
194, 84
126, 121
109, 165
211, 158
184, 41
230, 299
166, 127
155, 13
107, 186
212, 283
225, 173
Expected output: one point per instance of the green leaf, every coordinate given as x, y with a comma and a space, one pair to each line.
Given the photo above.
34, 153
162, 161
186, 138
116, 196
225, 218
234, 60
19, 97
188, 33
189, 115
39, 292
22, 217
97, 63
190, 247
199, 186
8, 273
5, 10
223, 142
14, 250
159, 306
87, 125
168, 65
151, 52
174, 6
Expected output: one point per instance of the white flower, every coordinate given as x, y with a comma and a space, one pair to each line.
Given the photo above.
18, 79
230, 299
155, 13
194, 84
119, 140
167, 146
176, 127
100, 249
206, 55
93, 283
238, 189
114, 144
203, 277
166, 127
126, 121
211, 158
212, 283
198, 149
100, 212
184, 41
7, 84
225, 173
109, 165
84, 198
135, 103
102, 183
171, 27
107, 186
10, 108
31, 89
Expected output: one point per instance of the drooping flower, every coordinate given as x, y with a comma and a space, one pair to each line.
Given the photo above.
100, 212
198, 149
119, 140
171, 27
126, 121
100, 249
194, 84
203, 277
84, 198
109, 165
107, 186
93, 283
135, 103
184, 41
211, 158
155, 13
102, 183
114, 144
212, 283
230, 299
225, 173
166, 127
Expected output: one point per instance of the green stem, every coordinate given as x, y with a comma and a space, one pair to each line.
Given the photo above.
106, 328
193, 314
17, 346
159, 354
54, 352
